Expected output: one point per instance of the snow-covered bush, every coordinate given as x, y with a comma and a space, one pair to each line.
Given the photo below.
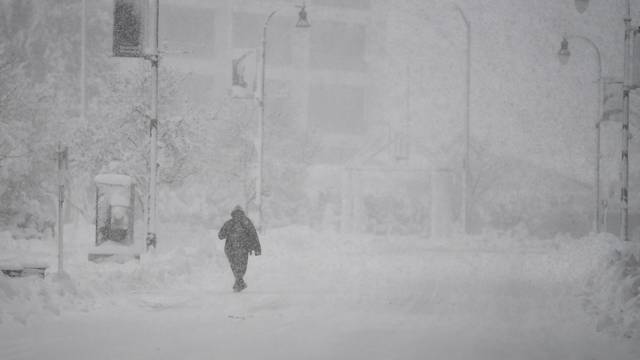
24, 298
512, 192
613, 292
398, 215
89, 285
39, 105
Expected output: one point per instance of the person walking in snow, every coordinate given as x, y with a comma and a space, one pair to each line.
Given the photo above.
241, 240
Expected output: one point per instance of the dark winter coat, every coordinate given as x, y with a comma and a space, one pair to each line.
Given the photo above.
240, 233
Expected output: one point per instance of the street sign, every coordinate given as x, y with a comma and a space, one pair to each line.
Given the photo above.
128, 28
243, 76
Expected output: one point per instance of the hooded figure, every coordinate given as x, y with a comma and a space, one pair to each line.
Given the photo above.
241, 240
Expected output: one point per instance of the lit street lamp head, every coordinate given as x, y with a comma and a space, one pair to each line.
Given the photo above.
582, 5
564, 53
303, 22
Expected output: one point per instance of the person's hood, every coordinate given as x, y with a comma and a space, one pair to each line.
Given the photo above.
237, 212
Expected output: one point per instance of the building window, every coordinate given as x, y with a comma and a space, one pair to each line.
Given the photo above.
337, 108
187, 30
338, 46
247, 34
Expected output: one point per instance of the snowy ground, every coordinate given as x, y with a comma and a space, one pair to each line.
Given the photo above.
316, 296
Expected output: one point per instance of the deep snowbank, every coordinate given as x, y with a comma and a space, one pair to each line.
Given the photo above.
613, 290
192, 259
87, 285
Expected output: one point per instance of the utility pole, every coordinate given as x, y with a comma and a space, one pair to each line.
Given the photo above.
624, 198
153, 57
61, 157
598, 210
628, 84
261, 102
83, 65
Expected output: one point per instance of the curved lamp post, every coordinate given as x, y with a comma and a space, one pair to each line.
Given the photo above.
303, 22
581, 6
563, 56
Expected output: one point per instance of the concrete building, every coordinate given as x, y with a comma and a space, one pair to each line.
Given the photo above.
332, 80
319, 77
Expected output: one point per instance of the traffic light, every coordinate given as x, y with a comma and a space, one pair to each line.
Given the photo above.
128, 28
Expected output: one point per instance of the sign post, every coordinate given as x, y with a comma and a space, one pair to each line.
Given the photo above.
243, 77
62, 156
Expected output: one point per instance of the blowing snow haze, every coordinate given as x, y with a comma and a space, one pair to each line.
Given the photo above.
421, 176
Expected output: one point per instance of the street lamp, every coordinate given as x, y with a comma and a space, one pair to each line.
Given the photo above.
303, 22
582, 5
563, 56
629, 30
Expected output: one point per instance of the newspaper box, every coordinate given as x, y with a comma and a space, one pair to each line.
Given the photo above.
115, 195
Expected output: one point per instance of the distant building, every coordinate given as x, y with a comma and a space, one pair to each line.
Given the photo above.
319, 78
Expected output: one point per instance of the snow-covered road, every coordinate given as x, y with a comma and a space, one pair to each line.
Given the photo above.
357, 298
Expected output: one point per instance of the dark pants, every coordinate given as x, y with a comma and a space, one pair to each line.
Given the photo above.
238, 259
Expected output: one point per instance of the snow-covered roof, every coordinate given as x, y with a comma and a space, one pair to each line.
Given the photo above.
114, 179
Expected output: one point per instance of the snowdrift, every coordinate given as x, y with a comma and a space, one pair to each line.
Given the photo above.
192, 259
87, 285
613, 290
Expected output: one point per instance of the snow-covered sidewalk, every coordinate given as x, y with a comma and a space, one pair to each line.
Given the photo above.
319, 296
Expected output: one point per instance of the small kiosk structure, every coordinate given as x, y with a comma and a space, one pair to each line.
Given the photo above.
115, 195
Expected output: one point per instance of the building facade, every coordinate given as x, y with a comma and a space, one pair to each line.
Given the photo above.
319, 77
